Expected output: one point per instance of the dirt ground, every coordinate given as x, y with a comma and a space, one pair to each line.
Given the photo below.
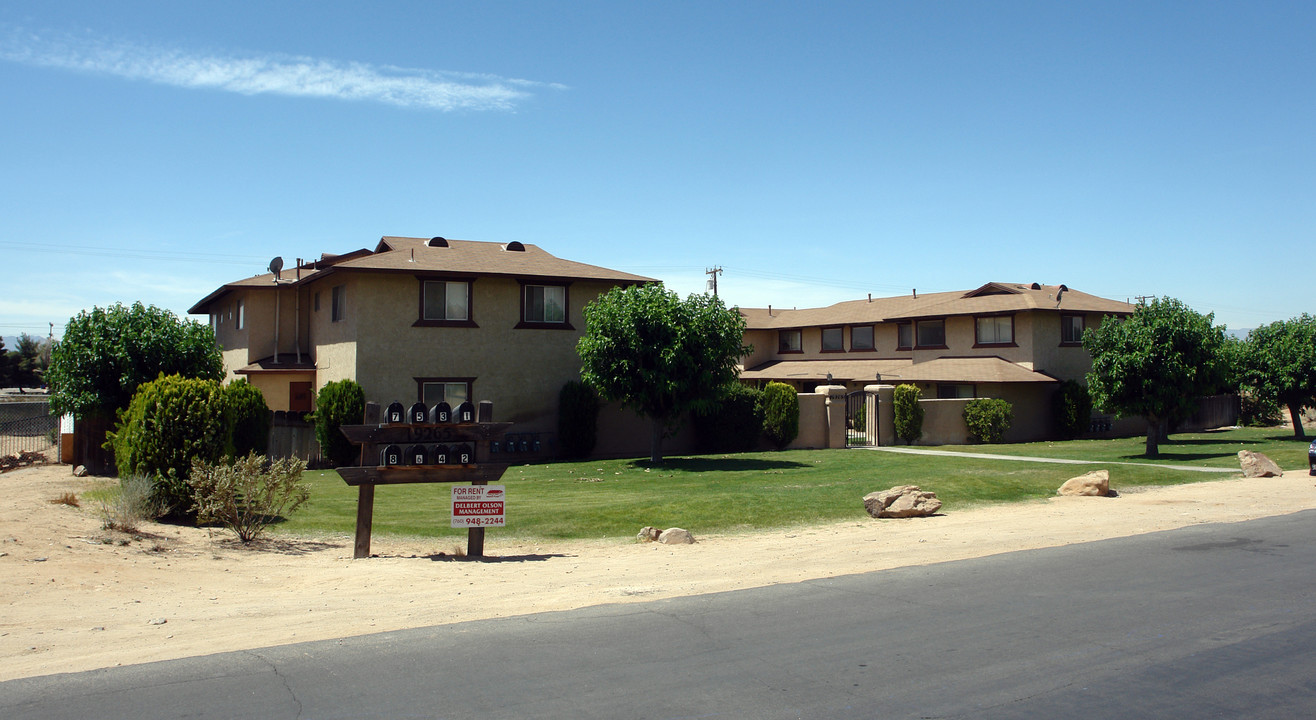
77, 597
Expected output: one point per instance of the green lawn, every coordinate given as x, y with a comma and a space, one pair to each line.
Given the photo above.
1216, 448
615, 498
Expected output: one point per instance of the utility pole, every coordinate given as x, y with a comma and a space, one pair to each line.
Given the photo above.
712, 274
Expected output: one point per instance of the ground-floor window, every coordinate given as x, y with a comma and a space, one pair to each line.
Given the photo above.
952, 391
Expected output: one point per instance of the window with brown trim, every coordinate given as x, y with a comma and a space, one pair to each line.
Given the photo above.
545, 306
338, 303
444, 302
930, 333
452, 390
952, 391
1071, 329
993, 330
861, 338
833, 339
904, 336
789, 341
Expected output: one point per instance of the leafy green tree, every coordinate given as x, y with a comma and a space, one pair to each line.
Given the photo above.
28, 362
1156, 363
659, 355
338, 403
106, 354
6, 366
1073, 409
1279, 364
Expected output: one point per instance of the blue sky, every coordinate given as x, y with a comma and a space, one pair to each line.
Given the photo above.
816, 151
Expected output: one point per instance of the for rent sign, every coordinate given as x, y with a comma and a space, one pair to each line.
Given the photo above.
475, 506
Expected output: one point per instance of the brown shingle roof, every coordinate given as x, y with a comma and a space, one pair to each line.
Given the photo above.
459, 257
990, 298
894, 372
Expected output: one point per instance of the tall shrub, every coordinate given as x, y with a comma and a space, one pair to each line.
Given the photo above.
338, 403
781, 414
908, 419
1073, 409
988, 418
170, 422
735, 424
577, 419
250, 417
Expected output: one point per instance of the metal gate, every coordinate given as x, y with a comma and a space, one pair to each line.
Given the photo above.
860, 419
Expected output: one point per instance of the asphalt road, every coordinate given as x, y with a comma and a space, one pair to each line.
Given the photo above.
1211, 621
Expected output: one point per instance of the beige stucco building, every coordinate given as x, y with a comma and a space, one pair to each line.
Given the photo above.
1002, 340
415, 319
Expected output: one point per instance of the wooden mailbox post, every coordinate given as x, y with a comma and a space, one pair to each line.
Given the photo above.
374, 435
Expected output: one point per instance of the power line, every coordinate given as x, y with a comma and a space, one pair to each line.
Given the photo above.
63, 250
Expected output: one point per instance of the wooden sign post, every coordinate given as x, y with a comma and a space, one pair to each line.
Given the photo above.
464, 447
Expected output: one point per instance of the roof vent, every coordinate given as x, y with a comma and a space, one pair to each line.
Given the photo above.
1034, 286
437, 241
514, 246
1064, 289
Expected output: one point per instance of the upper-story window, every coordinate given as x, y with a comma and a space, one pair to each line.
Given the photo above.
338, 301
904, 336
242, 315
833, 339
445, 300
1071, 329
931, 333
994, 330
788, 341
861, 337
545, 306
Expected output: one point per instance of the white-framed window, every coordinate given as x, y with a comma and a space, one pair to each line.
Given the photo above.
545, 304
446, 300
788, 341
994, 330
833, 339
1071, 329
861, 338
338, 303
931, 333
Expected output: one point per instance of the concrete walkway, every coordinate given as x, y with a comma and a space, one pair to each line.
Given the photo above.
1062, 461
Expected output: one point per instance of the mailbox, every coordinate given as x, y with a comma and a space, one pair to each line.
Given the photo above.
395, 413
418, 414
418, 455
442, 413
465, 412
390, 456
464, 454
441, 455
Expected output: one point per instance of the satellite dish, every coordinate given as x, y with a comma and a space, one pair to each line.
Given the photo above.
275, 266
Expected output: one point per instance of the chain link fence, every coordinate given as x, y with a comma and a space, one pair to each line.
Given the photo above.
27, 427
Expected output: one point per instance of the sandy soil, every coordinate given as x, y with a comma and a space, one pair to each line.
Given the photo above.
77, 597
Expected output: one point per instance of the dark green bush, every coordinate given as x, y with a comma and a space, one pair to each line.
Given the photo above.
908, 419
1257, 411
781, 414
577, 419
988, 418
735, 424
250, 416
170, 422
338, 403
1073, 409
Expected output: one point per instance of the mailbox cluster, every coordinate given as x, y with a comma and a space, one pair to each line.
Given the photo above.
459, 454
420, 414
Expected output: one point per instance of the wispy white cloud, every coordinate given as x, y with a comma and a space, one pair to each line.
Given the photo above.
256, 74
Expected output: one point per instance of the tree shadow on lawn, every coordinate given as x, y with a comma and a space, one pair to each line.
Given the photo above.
719, 464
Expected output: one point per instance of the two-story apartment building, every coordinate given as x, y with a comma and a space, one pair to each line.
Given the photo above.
415, 319
1006, 340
